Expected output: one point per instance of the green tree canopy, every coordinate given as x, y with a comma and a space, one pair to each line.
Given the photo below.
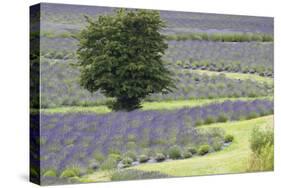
120, 55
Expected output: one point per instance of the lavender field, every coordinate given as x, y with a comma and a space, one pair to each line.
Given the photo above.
78, 147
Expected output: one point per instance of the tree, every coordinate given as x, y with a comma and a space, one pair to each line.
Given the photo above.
120, 55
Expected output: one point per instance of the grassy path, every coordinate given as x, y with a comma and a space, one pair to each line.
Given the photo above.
230, 160
161, 105
240, 76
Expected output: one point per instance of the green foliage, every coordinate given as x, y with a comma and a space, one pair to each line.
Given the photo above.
217, 144
260, 139
72, 171
136, 175
228, 138
160, 157
115, 156
199, 122
174, 152
192, 150
98, 156
209, 120
120, 55
252, 115
50, 173
109, 163
222, 118
262, 146
204, 149
127, 161
143, 158
131, 154
187, 154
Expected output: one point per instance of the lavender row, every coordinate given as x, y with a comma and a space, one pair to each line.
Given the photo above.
78, 138
60, 86
69, 18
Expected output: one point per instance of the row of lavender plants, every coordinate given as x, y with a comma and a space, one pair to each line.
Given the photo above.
67, 17
250, 57
78, 142
60, 86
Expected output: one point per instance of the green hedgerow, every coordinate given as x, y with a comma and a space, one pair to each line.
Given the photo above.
204, 149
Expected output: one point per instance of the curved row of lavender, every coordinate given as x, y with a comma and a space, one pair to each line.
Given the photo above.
74, 138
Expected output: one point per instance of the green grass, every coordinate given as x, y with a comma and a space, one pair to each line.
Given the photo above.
161, 105
233, 159
240, 76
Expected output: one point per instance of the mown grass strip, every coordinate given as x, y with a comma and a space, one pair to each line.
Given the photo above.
240, 76
216, 37
233, 159
222, 37
161, 105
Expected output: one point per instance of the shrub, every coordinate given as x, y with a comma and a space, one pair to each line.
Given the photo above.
209, 120
115, 156
260, 139
98, 156
174, 152
132, 155
187, 154
228, 138
143, 158
192, 150
160, 157
216, 132
217, 144
252, 114
50, 173
70, 172
198, 122
262, 146
127, 161
109, 163
222, 118
204, 149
